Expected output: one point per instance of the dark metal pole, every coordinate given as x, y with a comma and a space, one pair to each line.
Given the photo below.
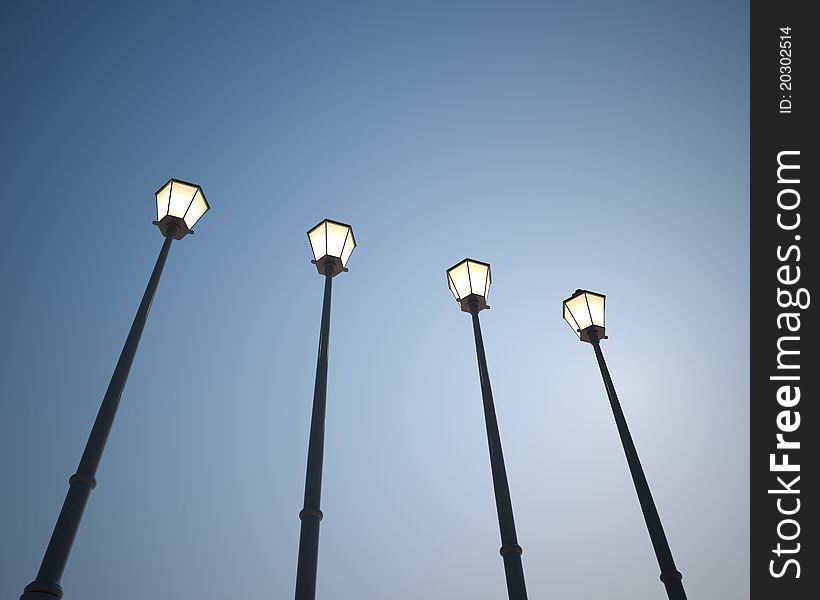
510, 550
311, 515
670, 576
47, 584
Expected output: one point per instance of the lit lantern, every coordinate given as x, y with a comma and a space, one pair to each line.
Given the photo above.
332, 243
584, 312
179, 206
470, 282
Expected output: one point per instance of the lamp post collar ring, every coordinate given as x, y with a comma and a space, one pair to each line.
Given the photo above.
671, 576
44, 589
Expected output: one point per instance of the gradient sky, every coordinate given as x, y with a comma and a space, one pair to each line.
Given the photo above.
570, 144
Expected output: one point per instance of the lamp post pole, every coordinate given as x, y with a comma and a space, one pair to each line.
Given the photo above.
47, 584
510, 550
311, 514
670, 576
332, 243
179, 206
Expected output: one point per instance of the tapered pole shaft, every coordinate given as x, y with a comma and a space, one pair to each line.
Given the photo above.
47, 584
510, 550
311, 514
670, 576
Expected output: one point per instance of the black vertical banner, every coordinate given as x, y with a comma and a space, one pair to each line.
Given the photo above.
785, 225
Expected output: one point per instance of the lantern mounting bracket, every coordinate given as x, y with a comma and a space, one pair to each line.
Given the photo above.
329, 265
173, 226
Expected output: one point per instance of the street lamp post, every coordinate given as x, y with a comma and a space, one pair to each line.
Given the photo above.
332, 243
179, 206
470, 282
584, 312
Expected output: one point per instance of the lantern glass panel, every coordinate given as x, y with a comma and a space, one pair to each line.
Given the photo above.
580, 311
596, 308
479, 278
317, 241
336, 236
181, 196
571, 320
163, 196
460, 280
197, 208
350, 244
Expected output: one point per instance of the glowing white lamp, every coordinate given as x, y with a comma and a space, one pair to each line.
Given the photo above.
179, 206
332, 244
584, 312
470, 282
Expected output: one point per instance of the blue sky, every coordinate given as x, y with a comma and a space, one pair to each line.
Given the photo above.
569, 144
